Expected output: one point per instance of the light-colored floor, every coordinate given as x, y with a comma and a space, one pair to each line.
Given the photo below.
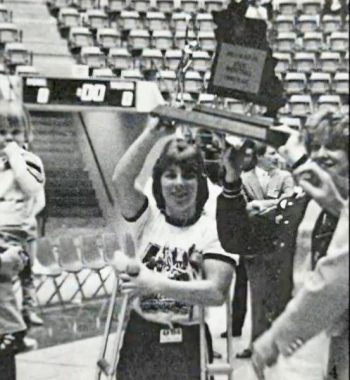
76, 361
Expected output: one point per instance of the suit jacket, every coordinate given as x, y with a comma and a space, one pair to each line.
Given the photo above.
322, 304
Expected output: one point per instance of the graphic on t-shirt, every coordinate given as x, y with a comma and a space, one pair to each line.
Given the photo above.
176, 264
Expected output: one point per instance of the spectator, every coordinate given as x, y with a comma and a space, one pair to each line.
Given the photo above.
171, 240
304, 230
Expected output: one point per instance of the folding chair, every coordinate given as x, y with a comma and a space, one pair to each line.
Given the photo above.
304, 62
46, 267
201, 61
120, 59
301, 105
70, 261
341, 83
319, 83
284, 62
308, 23
162, 39
287, 7
332, 102
313, 42
284, 23
330, 23
139, 39
311, 7
93, 57
205, 22
193, 82
167, 81
172, 58
295, 83
9, 32
95, 18
107, 38
152, 59
330, 62
207, 41
339, 42
156, 21
286, 42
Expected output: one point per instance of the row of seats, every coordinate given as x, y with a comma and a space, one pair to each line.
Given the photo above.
294, 7
58, 258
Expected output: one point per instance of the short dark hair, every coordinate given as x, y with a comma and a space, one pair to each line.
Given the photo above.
189, 158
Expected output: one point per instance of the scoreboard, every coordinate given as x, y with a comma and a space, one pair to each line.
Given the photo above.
77, 94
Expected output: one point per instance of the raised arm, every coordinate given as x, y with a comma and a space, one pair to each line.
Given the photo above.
128, 168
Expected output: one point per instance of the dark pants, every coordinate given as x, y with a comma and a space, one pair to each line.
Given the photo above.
7, 367
239, 302
142, 357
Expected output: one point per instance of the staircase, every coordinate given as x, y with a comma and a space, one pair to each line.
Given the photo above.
69, 191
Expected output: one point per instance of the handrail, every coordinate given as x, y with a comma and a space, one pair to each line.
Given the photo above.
97, 162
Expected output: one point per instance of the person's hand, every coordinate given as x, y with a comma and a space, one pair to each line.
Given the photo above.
143, 282
232, 161
265, 354
159, 127
319, 184
294, 149
254, 207
11, 262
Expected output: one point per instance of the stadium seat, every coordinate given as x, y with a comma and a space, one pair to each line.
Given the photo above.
179, 21
308, 23
167, 81
295, 83
140, 6
67, 18
107, 38
304, 62
284, 23
319, 83
235, 105
332, 102
339, 41
311, 7
104, 72
115, 7
213, 5
129, 20
16, 53
206, 99
152, 59
9, 32
79, 37
193, 82
201, 61
172, 58
287, 7
190, 6
341, 83
5, 14
139, 39
185, 99
56, 5
181, 36
166, 6
301, 105
313, 42
205, 22
330, 61
84, 5
292, 122
93, 57
284, 62
26, 71
286, 42
207, 41
94, 19
132, 74
156, 21
120, 59
162, 39
285, 110
330, 23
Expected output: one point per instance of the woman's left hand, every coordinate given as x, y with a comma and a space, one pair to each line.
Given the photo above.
320, 186
144, 283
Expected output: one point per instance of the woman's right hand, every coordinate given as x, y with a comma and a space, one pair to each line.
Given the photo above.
159, 127
11, 262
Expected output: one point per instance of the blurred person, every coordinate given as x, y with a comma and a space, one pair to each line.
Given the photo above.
322, 304
175, 241
299, 231
21, 183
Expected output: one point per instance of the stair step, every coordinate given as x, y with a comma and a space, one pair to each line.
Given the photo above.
60, 174
86, 212
67, 182
72, 201
69, 191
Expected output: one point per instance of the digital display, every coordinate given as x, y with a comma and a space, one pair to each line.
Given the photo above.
79, 92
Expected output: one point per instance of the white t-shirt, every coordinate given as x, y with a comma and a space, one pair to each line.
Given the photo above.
168, 249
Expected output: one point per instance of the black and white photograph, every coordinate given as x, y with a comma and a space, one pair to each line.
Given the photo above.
174, 189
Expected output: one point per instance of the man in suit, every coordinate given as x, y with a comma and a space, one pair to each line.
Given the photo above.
322, 304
